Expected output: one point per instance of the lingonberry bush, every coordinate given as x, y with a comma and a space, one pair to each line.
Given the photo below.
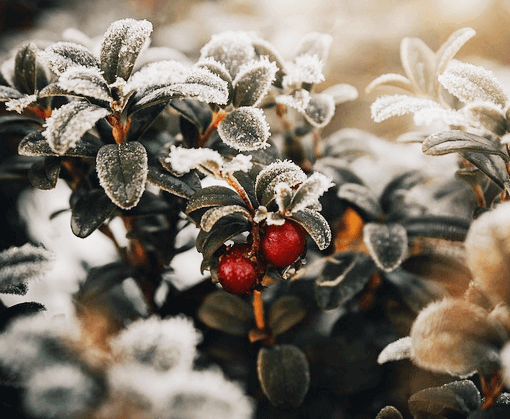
323, 257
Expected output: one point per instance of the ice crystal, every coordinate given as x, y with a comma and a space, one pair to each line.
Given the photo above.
18, 265
61, 392
245, 129
162, 344
473, 83
397, 105
70, 122
396, 351
20, 104
183, 160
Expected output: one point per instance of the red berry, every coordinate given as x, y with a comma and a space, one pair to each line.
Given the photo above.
237, 274
282, 244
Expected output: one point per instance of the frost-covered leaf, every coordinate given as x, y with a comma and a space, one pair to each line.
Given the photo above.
441, 116
122, 42
341, 93
320, 110
226, 228
458, 141
62, 55
44, 174
285, 313
8, 93
362, 198
19, 105
215, 67
419, 63
274, 173
232, 48
122, 172
70, 122
298, 99
389, 412
472, 83
61, 391
226, 312
18, 265
396, 351
163, 344
183, 186
283, 374
457, 399
343, 276
25, 69
283, 197
453, 44
213, 215
157, 75
213, 196
85, 81
245, 129
266, 49
253, 82
306, 69
315, 225
437, 226
315, 43
391, 80
182, 160
308, 193
387, 244
490, 164
89, 211
387, 106
488, 116
35, 144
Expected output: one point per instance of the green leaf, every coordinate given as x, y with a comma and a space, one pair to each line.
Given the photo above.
387, 244
122, 42
226, 312
283, 374
90, 211
245, 129
456, 141
362, 198
315, 225
213, 196
320, 110
122, 171
213, 215
285, 313
25, 69
62, 55
44, 173
253, 82
180, 186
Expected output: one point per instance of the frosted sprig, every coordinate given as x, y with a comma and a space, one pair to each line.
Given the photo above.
162, 344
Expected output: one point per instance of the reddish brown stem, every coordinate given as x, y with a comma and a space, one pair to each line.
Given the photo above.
216, 119
258, 310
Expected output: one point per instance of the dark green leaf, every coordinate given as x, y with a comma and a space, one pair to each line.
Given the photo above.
36, 145
245, 129
213, 196
122, 43
25, 69
62, 55
457, 398
492, 165
227, 313
101, 279
456, 141
436, 226
315, 225
362, 198
183, 186
122, 171
283, 374
44, 173
225, 229
342, 278
266, 49
285, 313
90, 211
198, 113
387, 244
392, 198
320, 110
142, 120
253, 82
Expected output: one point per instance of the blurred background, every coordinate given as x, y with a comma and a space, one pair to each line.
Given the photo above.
366, 33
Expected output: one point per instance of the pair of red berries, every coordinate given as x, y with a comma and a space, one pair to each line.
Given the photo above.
280, 246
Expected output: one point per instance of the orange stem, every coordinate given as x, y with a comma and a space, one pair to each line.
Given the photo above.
258, 310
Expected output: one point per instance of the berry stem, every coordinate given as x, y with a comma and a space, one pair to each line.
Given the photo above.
258, 310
